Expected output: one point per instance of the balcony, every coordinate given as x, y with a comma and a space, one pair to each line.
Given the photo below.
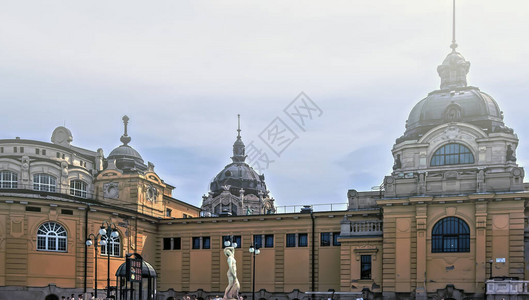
361, 228
506, 287
58, 191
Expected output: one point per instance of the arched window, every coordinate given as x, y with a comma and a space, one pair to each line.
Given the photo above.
114, 244
52, 236
8, 180
452, 154
78, 188
450, 234
44, 182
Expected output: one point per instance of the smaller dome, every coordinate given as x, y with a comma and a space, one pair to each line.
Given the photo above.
125, 151
147, 271
127, 157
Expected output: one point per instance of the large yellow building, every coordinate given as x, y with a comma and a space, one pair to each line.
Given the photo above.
451, 216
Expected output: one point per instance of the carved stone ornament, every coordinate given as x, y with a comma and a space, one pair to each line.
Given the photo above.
450, 175
517, 172
452, 133
111, 190
61, 136
25, 162
453, 113
352, 194
151, 193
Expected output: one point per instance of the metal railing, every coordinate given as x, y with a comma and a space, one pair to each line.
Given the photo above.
289, 209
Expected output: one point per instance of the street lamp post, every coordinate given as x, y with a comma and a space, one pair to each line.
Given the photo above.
255, 251
89, 242
110, 227
490, 268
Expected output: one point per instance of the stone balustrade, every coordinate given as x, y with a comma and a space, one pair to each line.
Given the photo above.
507, 287
361, 228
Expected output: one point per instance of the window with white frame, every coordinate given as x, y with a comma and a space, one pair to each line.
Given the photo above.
52, 236
452, 154
113, 243
78, 188
8, 180
44, 182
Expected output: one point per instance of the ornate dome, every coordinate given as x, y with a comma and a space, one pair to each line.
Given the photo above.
454, 102
126, 157
239, 174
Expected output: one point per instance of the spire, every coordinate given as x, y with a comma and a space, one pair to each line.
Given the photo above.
238, 146
454, 44
239, 126
125, 139
454, 69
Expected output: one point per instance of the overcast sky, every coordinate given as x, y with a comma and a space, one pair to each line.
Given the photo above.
183, 70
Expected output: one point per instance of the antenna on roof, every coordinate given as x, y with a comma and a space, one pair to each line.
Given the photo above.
454, 44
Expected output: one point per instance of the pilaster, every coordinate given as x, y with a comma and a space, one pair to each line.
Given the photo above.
421, 221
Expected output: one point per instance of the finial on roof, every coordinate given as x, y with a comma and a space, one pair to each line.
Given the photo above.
238, 126
454, 44
125, 139
454, 69
238, 146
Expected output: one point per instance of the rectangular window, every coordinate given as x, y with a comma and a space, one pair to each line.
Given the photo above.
291, 240
8, 180
67, 212
172, 243
303, 240
167, 243
78, 188
196, 242
58, 155
37, 151
325, 239
43, 151
21, 149
206, 242
269, 240
238, 239
258, 241
335, 236
1, 149
33, 208
168, 212
365, 267
177, 243
15, 149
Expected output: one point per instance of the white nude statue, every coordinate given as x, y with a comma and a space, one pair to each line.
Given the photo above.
232, 290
